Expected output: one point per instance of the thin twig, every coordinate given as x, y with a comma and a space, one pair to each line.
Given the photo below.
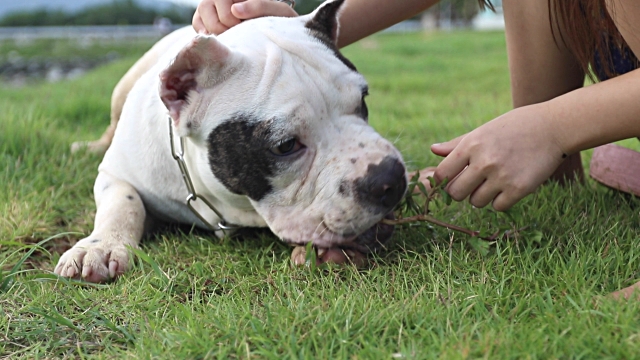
423, 216
431, 219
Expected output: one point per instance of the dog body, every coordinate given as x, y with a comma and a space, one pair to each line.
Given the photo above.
275, 134
143, 139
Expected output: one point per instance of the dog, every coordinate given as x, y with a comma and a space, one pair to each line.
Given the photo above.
265, 125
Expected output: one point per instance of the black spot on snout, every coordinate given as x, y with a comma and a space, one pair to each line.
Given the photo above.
238, 156
130, 197
95, 241
383, 185
343, 189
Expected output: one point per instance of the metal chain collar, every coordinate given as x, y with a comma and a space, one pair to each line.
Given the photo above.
193, 196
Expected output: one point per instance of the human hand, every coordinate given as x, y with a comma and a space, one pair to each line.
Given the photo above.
217, 16
503, 160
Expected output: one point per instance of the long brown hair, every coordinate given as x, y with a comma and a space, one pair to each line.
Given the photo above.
588, 31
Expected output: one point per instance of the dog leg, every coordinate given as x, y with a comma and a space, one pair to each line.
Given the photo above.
119, 223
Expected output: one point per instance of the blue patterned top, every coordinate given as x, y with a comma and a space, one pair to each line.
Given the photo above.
623, 61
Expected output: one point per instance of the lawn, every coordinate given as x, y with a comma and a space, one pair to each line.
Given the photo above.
432, 294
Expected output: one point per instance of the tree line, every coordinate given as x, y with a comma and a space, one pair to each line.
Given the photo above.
129, 12
118, 12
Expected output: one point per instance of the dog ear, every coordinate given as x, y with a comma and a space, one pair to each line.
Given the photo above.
324, 22
199, 65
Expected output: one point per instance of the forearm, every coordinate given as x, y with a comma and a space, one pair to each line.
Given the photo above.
361, 18
598, 114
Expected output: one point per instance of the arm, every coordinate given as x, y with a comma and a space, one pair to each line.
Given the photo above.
541, 67
509, 157
596, 115
359, 18
613, 110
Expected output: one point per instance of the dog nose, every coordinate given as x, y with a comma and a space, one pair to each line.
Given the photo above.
383, 185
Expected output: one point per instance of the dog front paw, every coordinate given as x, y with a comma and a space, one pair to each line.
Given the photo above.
333, 255
94, 260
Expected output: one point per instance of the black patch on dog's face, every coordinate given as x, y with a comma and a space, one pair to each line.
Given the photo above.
362, 110
324, 26
239, 156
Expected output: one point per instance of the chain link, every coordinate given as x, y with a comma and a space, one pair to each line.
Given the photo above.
178, 155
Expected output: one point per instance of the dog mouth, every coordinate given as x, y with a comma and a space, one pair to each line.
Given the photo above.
367, 241
374, 238
324, 234
370, 240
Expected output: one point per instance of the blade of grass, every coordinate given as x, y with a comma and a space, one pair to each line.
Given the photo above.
7, 278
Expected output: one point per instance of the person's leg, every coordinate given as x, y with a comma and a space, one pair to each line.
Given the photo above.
540, 66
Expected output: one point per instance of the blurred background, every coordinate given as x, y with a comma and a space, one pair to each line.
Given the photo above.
53, 40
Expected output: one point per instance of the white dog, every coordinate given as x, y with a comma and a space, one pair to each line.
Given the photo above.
269, 127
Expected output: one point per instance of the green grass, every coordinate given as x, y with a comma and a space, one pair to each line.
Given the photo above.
430, 295
68, 49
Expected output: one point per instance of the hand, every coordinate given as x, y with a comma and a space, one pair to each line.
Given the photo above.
503, 160
217, 16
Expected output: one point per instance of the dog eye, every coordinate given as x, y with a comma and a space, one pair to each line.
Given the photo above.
287, 147
364, 111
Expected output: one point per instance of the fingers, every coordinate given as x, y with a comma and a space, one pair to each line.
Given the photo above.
463, 185
257, 8
451, 167
503, 202
198, 25
207, 19
483, 195
224, 13
446, 148
465, 180
217, 16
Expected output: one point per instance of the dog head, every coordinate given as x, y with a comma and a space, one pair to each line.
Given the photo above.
281, 115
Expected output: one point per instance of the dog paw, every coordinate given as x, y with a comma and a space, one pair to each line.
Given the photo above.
331, 256
94, 260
